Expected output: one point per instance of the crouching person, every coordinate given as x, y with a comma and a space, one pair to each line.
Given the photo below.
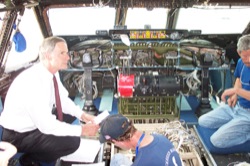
150, 150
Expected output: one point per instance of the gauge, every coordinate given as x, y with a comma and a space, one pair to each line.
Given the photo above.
86, 58
175, 36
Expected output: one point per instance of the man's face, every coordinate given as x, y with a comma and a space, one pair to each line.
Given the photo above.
245, 56
60, 57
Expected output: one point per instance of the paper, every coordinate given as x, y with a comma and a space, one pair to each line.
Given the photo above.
125, 39
86, 152
101, 116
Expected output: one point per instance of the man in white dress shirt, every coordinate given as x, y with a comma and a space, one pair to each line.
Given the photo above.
28, 120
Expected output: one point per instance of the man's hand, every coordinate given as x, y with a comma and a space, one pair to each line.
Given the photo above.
7, 150
232, 97
87, 118
90, 129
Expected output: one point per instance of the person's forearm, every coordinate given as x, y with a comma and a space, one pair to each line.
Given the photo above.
89, 129
69, 107
239, 91
237, 83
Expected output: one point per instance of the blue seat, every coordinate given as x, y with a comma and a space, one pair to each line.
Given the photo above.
205, 134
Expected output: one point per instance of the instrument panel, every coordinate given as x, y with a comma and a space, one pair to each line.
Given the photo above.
155, 58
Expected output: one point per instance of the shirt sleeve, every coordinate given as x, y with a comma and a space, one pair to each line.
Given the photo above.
47, 123
238, 68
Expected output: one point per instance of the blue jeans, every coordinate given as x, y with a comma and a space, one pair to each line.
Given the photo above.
233, 125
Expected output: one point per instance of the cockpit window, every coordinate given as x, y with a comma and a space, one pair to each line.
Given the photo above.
16, 60
214, 20
140, 18
81, 21
1, 19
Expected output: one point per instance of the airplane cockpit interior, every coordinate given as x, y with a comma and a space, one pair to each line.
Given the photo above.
161, 63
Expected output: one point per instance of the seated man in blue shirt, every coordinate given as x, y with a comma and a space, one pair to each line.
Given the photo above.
150, 150
233, 119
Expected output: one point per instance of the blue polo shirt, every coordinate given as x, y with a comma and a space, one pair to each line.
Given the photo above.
160, 152
243, 73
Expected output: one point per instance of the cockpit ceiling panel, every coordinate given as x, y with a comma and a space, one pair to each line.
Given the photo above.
136, 3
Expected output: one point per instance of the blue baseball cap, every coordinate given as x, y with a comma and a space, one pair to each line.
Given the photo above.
113, 126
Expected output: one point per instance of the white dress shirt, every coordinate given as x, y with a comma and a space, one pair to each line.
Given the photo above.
29, 102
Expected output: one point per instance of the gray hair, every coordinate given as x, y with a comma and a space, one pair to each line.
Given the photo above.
243, 43
48, 45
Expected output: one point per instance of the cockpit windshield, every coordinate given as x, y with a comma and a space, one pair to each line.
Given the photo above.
208, 19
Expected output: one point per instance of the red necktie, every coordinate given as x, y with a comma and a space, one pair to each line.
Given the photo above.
58, 101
